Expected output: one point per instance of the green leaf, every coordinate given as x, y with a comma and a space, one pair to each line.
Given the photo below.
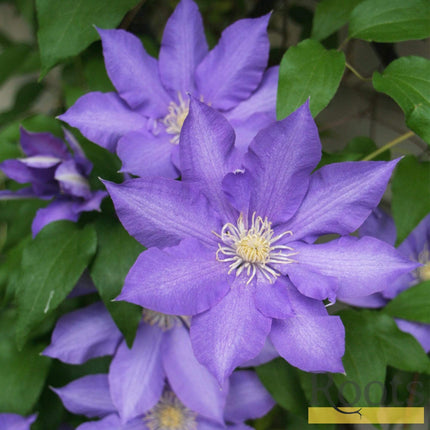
330, 15
390, 21
117, 252
66, 28
407, 81
412, 304
22, 373
12, 59
51, 266
411, 195
282, 382
308, 70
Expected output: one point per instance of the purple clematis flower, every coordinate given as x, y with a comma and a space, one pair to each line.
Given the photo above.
143, 119
16, 422
235, 250
136, 380
54, 173
416, 247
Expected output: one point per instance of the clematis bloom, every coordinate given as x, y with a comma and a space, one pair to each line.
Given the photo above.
232, 245
143, 119
16, 422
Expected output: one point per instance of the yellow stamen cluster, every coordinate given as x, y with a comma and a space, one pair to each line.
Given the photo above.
423, 272
174, 120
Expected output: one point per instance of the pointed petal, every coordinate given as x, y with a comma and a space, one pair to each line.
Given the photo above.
197, 389
420, 331
268, 353
87, 396
340, 197
161, 212
235, 67
40, 161
113, 422
375, 300
23, 193
78, 154
281, 158
103, 118
83, 334
16, 422
183, 47
34, 144
238, 331
181, 280
134, 72
205, 151
92, 203
144, 154
136, 376
379, 225
311, 343
18, 171
272, 299
360, 266
71, 180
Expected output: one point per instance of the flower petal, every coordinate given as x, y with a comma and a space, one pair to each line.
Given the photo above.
136, 376
183, 47
182, 280
34, 144
161, 212
361, 266
272, 300
71, 180
340, 197
83, 334
379, 225
205, 151
22, 193
145, 154
103, 118
18, 171
420, 331
238, 331
112, 422
281, 158
247, 398
134, 72
16, 422
268, 353
235, 67
311, 343
375, 300
92, 203
87, 396
40, 161
197, 389
78, 154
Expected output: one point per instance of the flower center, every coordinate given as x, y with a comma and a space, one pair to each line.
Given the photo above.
170, 414
253, 248
423, 272
165, 322
174, 120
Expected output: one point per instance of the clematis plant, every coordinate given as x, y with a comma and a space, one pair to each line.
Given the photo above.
143, 119
232, 245
55, 174
16, 422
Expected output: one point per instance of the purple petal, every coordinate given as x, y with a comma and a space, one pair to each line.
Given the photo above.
197, 389
235, 67
418, 240
23, 193
113, 422
272, 300
379, 225
79, 155
161, 212
103, 118
55, 211
87, 396
340, 197
376, 300
420, 331
182, 280
268, 353
83, 334
144, 154
205, 151
71, 180
18, 171
238, 331
183, 47
34, 144
311, 343
40, 161
361, 266
247, 398
134, 72
92, 203
237, 187
136, 376
16, 422
280, 159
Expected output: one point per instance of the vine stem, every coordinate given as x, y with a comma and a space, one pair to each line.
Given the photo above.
389, 145
356, 73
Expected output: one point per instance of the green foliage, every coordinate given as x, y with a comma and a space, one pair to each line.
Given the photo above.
66, 28
51, 266
390, 21
308, 71
411, 195
407, 81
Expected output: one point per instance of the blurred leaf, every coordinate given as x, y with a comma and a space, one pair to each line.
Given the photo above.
330, 15
390, 21
412, 304
66, 28
411, 195
308, 70
407, 81
96, 76
117, 251
12, 60
51, 266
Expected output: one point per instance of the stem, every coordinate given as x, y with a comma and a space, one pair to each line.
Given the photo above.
356, 73
389, 145
343, 44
